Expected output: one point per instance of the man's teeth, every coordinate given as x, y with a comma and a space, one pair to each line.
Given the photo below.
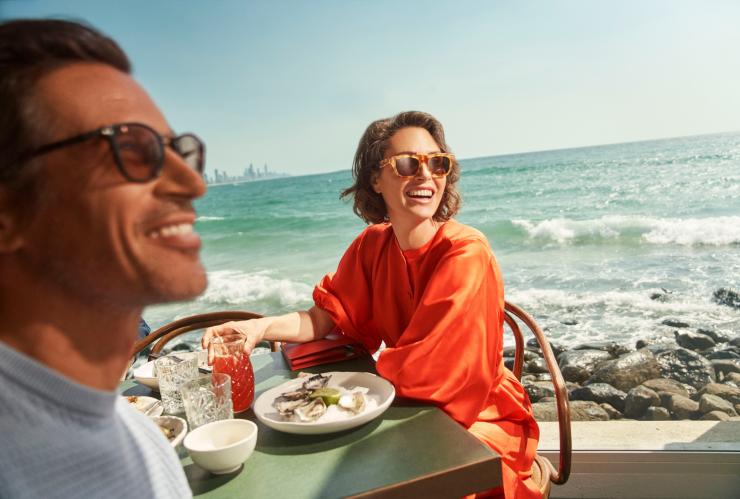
421, 193
172, 230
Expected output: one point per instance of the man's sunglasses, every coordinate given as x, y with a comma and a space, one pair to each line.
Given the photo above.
138, 149
409, 165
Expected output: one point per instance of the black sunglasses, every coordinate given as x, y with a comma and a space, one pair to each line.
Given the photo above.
138, 149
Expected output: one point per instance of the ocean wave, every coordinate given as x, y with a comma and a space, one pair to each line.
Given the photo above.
208, 219
258, 290
712, 231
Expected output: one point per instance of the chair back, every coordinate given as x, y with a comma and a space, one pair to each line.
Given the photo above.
513, 314
166, 333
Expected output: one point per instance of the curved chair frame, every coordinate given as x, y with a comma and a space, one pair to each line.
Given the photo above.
164, 334
513, 312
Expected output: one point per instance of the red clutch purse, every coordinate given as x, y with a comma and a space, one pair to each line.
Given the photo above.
334, 347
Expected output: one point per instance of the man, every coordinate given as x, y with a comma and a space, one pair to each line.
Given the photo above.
96, 223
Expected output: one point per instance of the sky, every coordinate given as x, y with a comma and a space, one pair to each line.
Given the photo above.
294, 83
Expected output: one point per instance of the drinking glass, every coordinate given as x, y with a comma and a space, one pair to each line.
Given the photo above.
207, 399
172, 371
230, 358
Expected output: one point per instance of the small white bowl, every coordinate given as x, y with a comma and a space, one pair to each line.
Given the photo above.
222, 446
176, 427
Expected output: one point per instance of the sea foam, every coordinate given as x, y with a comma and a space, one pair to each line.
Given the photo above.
713, 231
259, 290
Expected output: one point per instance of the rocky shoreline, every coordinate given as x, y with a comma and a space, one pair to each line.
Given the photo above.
691, 372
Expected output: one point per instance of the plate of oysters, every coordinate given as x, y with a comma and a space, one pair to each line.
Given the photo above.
324, 403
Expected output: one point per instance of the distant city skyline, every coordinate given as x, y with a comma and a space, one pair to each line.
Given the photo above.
249, 174
295, 83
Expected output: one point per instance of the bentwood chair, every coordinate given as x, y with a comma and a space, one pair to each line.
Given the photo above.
543, 472
159, 338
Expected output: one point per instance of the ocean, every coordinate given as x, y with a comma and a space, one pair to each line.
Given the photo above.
597, 243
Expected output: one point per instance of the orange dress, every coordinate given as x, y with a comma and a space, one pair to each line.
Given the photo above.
439, 310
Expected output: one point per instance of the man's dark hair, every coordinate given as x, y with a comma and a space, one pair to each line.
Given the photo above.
29, 50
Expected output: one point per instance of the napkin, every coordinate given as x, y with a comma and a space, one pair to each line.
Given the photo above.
334, 347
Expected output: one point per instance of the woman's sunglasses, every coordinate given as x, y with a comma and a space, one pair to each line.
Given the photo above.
409, 165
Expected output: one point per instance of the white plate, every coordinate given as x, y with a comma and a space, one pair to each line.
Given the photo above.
378, 388
142, 404
145, 374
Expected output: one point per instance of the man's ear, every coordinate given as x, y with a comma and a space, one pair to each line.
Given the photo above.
11, 223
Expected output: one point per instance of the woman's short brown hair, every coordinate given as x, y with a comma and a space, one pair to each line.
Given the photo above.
368, 204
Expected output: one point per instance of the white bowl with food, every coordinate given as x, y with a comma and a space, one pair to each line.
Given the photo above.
149, 406
173, 428
324, 403
222, 446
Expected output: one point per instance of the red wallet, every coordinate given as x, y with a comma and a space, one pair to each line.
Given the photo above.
334, 347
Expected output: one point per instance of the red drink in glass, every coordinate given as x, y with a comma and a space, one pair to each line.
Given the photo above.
230, 359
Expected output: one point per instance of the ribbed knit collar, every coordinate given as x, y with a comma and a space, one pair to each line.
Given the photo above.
19, 369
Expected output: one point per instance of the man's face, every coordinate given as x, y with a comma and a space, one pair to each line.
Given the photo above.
96, 234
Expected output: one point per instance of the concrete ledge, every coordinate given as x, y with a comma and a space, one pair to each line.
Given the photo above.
649, 459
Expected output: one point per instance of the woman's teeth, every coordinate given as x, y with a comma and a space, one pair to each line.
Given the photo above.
420, 193
172, 230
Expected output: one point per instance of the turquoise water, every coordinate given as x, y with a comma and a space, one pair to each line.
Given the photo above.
582, 235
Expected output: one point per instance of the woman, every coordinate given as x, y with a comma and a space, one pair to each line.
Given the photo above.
424, 284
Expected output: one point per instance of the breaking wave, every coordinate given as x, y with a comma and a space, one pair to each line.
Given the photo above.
258, 291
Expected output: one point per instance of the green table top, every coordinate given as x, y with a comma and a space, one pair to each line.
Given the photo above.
411, 450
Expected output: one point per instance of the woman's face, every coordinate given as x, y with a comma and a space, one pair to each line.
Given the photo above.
413, 199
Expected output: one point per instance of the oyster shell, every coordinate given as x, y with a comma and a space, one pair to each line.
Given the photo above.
310, 411
353, 402
286, 405
316, 382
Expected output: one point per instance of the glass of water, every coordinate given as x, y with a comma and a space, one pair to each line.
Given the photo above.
172, 372
207, 399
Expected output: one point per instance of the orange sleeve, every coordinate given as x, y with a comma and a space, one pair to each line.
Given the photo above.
346, 295
448, 353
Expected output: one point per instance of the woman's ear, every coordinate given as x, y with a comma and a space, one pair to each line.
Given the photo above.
374, 181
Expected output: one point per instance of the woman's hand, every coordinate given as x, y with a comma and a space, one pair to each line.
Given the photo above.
251, 331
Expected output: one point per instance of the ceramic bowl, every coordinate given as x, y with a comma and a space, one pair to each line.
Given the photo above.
174, 428
222, 446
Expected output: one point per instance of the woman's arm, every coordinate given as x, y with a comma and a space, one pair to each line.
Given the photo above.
295, 327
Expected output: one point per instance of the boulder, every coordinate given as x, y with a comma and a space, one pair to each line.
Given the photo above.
538, 389
715, 416
657, 344
614, 348
545, 411
533, 345
509, 363
638, 400
527, 354
577, 365
732, 378
681, 407
536, 366
709, 403
725, 366
729, 393
694, 341
735, 342
727, 296
600, 393
718, 338
549, 400
611, 411
675, 323
726, 353
627, 371
569, 322
660, 385
686, 366
585, 410
657, 414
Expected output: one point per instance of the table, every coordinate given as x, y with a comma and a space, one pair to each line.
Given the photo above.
411, 450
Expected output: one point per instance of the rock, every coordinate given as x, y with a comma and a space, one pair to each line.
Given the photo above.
585, 410
661, 385
737, 408
657, 344
627, 371
638, 400
611, 411
600, 393
681, 407
614, 348
686, 366
694, 341
709, 403
715, 416
542, 377
536, 366
726, 366
727, 353
675, 323
509, 363
657, 414
545, 411
538, 389
732, 378
662, 296
718, 338
577, 365
569, 322
533, 345
735, 342
549, 400
727, 296
526, 354
729, 393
